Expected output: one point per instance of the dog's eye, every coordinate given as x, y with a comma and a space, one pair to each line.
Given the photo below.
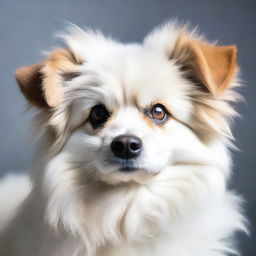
159, 113
98, 115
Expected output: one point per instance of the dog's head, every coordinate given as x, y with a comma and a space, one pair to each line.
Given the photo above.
124, 112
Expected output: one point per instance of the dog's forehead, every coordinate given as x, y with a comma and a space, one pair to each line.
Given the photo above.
140, 74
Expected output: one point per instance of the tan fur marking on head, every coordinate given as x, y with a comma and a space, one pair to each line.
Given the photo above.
148, 121
41, 83
59, 62
214, 66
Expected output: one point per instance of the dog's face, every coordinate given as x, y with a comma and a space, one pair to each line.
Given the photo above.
129, 120
125, 112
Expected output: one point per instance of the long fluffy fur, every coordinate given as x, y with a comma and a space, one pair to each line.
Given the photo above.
184, 210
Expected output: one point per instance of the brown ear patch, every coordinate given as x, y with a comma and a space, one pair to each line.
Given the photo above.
209, 65
30, 80
42, 83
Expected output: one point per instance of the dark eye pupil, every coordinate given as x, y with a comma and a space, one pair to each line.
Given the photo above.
98, 116
158, 111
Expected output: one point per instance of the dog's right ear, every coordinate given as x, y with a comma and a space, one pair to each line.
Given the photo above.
208, 65
30, 81
41, 83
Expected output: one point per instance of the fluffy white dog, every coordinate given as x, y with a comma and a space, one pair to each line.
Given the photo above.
134, 154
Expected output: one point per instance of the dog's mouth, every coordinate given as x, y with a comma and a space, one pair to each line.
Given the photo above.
128, 168
124, 165
116, 171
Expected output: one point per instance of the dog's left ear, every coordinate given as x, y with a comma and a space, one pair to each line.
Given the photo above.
208, 65
42, 83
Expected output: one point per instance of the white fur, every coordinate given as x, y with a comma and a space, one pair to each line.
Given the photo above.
176, 203
13, 190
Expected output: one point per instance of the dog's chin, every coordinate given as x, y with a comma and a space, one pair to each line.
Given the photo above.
125, 174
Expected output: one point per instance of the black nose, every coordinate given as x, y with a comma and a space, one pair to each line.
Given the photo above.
126, 146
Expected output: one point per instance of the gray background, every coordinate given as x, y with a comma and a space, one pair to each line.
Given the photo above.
27, 28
